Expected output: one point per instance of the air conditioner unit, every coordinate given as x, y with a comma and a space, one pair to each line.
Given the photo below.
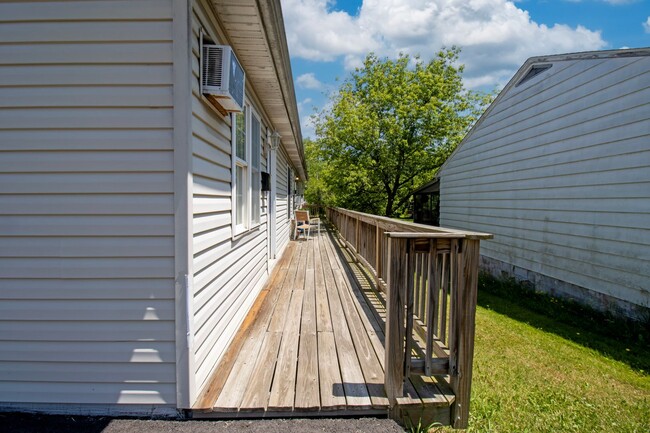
222, 77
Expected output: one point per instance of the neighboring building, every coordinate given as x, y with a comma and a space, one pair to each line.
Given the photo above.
558, 169
132, 241
426, 203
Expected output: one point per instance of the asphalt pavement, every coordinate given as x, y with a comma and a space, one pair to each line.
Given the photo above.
38, 423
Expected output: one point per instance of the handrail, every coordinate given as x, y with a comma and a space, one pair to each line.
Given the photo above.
430, 276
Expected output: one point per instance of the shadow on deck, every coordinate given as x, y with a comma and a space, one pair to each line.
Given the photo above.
313, 345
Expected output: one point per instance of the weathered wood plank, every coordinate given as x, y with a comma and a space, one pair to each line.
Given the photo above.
323, 319
410, 283
368, 345
369, 318
356, 392
277, 322
370, 364
256, 396
307, 391
433, 288
394, 333
332, 394
462, 384
446, 272
261, 310
325, 352
233, 391
308, 318
283, 388
410, 397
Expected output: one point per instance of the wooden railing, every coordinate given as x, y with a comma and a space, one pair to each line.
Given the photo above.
429, 276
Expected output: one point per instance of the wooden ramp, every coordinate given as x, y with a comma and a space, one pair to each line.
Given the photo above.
313, 345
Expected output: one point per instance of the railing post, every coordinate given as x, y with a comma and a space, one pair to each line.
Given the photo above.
357, 240
465, 321
395, 303
378, 255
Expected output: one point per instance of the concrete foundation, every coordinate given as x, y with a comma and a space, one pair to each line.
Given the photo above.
565, 290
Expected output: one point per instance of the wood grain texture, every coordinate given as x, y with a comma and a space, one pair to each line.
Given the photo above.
283, 389
332, 393
297, 365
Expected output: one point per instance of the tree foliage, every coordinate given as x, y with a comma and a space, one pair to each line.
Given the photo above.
317, 190
390, 126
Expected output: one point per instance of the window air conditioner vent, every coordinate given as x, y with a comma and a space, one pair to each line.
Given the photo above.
222, 77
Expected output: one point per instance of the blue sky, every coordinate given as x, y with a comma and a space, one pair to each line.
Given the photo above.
327, 39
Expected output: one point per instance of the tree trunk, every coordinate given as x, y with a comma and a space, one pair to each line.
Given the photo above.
389, 205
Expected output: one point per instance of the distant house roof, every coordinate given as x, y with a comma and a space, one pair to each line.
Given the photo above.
535, 68
428, 188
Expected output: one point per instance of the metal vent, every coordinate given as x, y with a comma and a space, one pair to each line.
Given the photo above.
222, 77
212, 61
534, 71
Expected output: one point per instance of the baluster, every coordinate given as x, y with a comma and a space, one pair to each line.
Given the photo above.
446, 261
433, 282
410, 292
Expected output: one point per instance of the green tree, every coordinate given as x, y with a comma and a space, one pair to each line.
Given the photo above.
391, 126
317, 190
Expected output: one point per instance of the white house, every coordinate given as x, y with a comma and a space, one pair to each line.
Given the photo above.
558, 169
134, 235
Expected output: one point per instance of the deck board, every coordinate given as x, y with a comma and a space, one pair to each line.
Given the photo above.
256, 397
283, 389
315, 343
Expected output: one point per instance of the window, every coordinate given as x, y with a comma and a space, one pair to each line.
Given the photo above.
240, 172
246, 170
289, 179
256, 177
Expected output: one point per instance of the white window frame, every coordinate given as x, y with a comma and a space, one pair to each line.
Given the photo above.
255, 171
246, 165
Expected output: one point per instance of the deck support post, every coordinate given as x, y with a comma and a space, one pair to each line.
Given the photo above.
464, 317
395, 332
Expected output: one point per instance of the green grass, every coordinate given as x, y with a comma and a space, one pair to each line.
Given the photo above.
540, 366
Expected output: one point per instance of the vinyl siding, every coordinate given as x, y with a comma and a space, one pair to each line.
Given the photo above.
559, 172
86, 204
228, 273
282, 204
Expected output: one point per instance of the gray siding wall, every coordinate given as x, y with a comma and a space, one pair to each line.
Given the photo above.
282, 214
559, 172
228, 274
86, 203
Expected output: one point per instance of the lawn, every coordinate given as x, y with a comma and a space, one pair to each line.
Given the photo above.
552, 371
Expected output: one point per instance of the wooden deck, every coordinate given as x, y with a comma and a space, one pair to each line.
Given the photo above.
313, 345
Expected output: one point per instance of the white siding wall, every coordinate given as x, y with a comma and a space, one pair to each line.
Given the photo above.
86, 203
559, 172
228, 274
282, 203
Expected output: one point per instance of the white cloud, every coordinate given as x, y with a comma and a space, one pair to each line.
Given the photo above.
316, 33
309, 81
646, 25
496, 36
305, 110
